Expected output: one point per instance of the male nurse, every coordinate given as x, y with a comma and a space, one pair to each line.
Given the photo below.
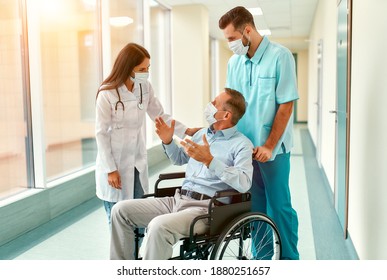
264, 72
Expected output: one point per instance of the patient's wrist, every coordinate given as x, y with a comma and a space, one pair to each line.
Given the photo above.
167, 142
208, 161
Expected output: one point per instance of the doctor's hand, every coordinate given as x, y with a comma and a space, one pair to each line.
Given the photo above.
114, 180
198, 152
262, 153
164, 131
192, 131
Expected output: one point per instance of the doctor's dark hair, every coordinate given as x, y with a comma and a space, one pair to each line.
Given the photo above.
239, 17
236, 104
128, 58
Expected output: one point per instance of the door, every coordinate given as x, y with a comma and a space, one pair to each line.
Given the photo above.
319, 99
342, 111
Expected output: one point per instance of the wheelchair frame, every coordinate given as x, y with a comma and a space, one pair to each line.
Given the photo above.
234, 231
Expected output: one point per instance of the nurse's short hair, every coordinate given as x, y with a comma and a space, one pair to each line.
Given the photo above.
236, 104
239, 17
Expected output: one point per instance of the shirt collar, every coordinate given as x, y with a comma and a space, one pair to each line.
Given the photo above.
260, 51
226, 133
125, 89
122, 88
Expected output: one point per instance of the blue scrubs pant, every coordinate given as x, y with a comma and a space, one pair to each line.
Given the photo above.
271, 195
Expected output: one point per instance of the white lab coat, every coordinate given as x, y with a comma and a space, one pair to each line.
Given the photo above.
121, 138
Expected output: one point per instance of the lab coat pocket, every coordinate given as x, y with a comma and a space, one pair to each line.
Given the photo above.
117, 144
118, 117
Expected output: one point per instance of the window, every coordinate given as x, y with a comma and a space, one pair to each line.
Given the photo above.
64, 38
124, 24
160, 70
14, 113
49, 80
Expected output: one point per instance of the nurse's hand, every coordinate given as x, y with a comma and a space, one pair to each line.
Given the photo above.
114, 180
262, 153
164, 131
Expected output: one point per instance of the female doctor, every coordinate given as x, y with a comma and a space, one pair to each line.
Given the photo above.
123, 99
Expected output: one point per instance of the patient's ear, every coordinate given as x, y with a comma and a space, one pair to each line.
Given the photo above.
228, 115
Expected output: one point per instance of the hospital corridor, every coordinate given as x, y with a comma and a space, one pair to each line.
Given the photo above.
85, 227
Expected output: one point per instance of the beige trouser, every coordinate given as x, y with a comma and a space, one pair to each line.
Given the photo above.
167, 220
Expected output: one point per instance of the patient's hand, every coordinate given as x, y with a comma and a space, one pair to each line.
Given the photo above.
198, 152
164, 131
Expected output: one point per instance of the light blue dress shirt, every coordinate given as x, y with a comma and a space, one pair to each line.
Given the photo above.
266, 80
231, 167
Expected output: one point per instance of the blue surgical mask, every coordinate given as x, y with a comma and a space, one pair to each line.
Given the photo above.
140, 77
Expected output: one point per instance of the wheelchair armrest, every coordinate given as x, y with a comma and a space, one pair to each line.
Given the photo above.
233, 194
225, 193
168, 176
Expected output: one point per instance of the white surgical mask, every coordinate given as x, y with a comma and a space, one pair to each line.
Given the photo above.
238, 48
140, 77
209, 113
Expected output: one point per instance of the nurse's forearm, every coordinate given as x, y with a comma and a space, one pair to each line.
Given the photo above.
279, 125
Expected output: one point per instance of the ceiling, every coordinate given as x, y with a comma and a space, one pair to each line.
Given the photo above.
289, 21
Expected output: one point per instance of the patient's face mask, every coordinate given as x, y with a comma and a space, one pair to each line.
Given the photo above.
209, 113
140, 77
237, 46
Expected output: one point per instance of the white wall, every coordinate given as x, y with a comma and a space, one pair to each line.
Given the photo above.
224, 56
368, 135
190, 65
325, 28
368, 168
302, 83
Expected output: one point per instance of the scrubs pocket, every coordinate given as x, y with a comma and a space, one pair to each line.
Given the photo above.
266, 88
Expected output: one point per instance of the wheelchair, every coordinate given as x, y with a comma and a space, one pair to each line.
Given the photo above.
234, 233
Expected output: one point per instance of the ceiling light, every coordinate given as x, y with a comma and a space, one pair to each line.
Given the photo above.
255, 11
89, 4
120, 21
153, 3
264, 32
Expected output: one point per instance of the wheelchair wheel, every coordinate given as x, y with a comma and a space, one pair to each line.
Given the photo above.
251, 236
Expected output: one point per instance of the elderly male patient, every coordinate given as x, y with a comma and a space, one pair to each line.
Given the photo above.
218, 158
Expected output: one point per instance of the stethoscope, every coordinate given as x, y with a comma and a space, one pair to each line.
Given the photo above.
119, 102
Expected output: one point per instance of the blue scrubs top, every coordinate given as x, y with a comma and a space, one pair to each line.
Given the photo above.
266, 80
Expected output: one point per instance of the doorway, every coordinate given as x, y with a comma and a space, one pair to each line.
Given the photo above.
343, 94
